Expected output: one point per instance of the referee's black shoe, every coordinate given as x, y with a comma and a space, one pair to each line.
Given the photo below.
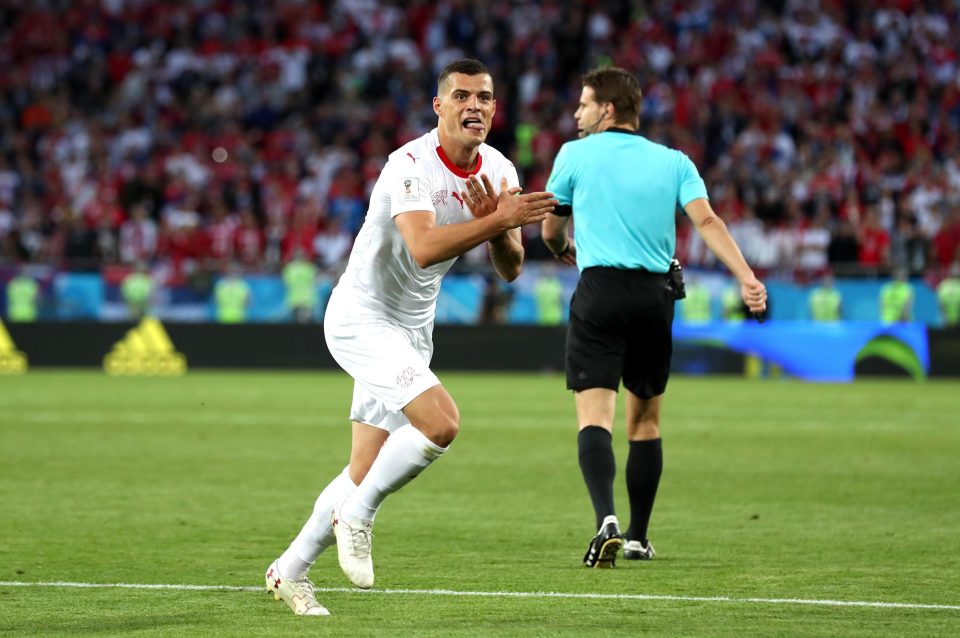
602, 552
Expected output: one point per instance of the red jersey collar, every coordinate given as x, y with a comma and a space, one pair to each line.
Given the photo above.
459, 172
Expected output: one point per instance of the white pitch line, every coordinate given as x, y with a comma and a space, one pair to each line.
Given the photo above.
502, 594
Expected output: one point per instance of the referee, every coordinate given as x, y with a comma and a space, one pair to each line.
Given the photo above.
623, 191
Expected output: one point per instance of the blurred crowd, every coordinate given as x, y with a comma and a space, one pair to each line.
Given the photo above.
200, 134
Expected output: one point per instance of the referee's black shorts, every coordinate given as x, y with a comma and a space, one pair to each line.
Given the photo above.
620, 328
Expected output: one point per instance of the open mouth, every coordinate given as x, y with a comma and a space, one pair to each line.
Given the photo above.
474, 124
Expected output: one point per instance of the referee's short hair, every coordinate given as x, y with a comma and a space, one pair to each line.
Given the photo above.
618, 87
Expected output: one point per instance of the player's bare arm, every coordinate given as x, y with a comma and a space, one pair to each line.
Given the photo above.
506, 254
430, 244
506, 249
715, 235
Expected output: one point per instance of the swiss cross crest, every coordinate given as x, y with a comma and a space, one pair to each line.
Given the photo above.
440, 197
405, 378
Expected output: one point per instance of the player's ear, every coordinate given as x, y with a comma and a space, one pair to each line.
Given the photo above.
436, 105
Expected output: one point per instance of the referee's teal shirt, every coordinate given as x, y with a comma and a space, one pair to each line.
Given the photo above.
624, 190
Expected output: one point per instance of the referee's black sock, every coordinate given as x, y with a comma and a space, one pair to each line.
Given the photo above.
599, 467
644, 466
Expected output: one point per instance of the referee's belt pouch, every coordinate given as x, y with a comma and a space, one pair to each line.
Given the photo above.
675, 280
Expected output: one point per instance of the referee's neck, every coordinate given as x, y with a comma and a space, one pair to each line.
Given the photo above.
620, 128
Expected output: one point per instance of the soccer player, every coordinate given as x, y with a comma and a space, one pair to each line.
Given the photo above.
427, 208
623, 191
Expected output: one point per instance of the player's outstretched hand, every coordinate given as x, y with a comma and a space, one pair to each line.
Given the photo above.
519, 210
754, 295
480, 197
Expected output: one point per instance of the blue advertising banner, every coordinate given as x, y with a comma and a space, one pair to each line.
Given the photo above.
818, 351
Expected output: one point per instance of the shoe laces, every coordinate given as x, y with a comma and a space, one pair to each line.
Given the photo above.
304, 587
361, 539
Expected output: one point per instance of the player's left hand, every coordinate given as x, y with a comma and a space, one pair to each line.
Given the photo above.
480, 197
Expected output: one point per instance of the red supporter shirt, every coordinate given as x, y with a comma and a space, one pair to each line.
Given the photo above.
874, 243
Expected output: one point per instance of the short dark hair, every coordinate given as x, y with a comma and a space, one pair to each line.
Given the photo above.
467, 66
618, 87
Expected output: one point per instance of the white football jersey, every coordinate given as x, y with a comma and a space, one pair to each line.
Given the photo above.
381, 274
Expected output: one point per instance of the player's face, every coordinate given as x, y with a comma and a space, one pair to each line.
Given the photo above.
466, 108
590, 114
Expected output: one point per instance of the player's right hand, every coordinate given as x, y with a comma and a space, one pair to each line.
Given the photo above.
754, 295
521, 209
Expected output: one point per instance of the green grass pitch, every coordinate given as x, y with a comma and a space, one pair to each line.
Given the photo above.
777, 498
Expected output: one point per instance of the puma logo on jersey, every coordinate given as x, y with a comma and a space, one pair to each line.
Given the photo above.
457, 197
410, 155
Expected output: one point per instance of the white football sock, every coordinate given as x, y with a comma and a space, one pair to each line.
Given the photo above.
317, 532
405, 454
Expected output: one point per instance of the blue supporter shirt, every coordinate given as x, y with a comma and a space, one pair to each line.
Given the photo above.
624, 190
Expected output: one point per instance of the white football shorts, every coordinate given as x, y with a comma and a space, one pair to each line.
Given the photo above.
390, 364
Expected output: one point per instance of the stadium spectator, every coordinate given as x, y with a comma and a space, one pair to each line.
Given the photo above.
813, 244
300, 279
347, 200
896, 298
300, 235
220, 230
138, 236
948, 297
825, 300
622, 310
23, 295
696, 306
909, 248
874, 242
137, 290
827, 106
548, 296
495, 302
231, 296
843, 251
248, 240
427, 209
79, 244
32, 240
332, 246
946, 243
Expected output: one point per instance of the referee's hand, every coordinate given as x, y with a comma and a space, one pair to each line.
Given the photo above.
568, 255
754, 295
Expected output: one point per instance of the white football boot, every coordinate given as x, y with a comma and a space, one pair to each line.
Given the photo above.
354, 542
635, 550
298, 594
